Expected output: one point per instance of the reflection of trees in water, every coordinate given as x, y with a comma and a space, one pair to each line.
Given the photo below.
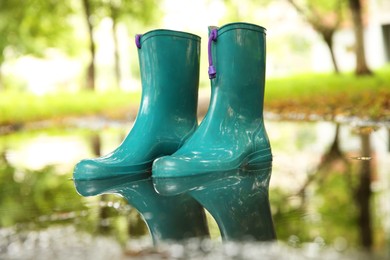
363, 192
339, 189
388, 144
35, 199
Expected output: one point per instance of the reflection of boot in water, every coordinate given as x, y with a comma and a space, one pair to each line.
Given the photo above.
226, 163
169, 63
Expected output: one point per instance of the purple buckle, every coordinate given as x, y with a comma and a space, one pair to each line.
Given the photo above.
138, 40
212, 38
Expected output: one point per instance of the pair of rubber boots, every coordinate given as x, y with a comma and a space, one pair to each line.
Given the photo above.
168, 167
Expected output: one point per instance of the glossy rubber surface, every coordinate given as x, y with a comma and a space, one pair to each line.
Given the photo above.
233, 129
239, 204
226, 164
169, 62
168, 218
169, 65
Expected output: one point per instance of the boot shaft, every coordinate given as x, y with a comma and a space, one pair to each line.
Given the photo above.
238, 55
169, 65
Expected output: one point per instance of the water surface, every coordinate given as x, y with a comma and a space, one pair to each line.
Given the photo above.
318, 194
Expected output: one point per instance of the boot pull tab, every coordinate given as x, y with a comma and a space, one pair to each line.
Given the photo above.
212, 37
138, 40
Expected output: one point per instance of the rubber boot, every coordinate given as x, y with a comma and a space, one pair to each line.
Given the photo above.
226, 164
169, 65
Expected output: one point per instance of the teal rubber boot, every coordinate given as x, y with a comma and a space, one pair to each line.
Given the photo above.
226, 164
169, 65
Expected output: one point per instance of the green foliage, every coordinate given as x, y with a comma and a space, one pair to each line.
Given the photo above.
40, 193
139, 10
320, 13
327, 210
236, 10
32, 26
337, 208
288, 215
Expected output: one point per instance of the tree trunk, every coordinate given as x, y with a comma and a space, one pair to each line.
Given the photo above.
326, 31
91, 66
334, 152
361, 64
117, 68
363, 194
328, 38
96, 144
388, 144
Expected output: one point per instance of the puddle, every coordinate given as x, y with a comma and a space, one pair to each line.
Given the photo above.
312, 193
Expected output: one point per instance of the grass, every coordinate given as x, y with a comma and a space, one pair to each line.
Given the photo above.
22, 107
325, 95
328, 95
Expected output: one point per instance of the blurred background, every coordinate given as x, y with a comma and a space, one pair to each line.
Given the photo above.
70, 89
48, 46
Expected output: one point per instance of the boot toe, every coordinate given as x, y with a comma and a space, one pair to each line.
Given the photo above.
94, 169
88, 169
179, 166
173, 175
168, 176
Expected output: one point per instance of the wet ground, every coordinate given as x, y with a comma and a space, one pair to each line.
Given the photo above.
313, 193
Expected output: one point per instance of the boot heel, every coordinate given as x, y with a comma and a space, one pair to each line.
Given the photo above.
168, 218
239, 204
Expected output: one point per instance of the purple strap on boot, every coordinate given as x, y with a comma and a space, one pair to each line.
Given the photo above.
138, 40
212, 37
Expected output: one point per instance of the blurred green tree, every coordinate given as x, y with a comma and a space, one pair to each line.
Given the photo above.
143, 11
325, 17
32, 26
237, 11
